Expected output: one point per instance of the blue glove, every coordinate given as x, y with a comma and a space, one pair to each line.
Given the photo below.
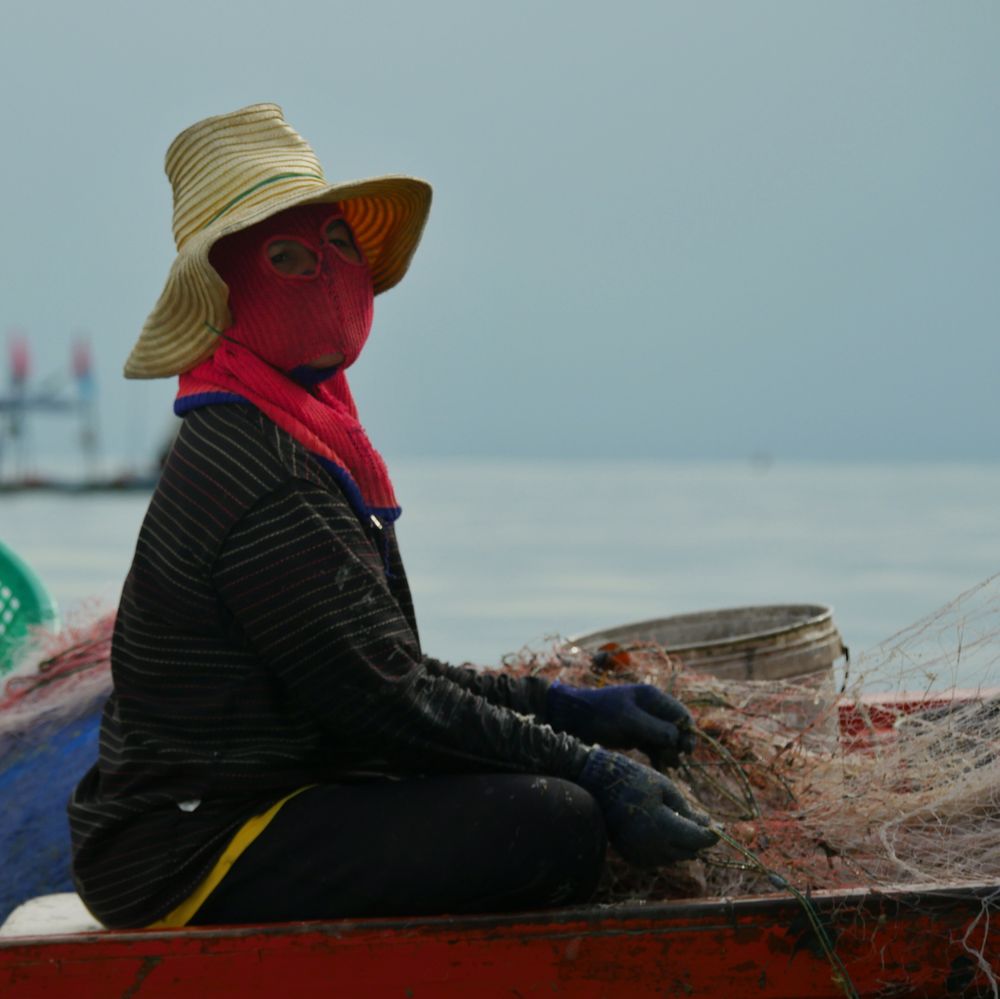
649, 822
633, 715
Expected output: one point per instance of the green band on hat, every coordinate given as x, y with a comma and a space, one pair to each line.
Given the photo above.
261, 183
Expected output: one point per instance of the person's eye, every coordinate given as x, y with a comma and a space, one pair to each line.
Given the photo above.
340, 238
291, 258
284, 262
336, 232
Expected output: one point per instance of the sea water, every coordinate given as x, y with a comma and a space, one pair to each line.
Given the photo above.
503, 554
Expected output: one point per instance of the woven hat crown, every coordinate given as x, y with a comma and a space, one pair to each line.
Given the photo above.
226, 166
233, 170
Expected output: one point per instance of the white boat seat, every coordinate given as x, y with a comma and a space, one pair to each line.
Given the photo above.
50, 915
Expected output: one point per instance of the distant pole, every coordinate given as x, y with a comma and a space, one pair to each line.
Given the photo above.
20, 369
86, 390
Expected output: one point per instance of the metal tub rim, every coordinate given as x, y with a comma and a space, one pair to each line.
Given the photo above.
814, 616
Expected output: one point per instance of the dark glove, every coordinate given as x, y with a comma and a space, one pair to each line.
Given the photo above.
649, 822
633, 715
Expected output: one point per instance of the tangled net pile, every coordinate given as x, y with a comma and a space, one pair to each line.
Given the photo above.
892, 779
60, 676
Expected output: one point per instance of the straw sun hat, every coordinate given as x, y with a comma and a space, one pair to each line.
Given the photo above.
231, 171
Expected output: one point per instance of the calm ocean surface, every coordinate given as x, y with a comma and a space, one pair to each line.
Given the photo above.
501, 553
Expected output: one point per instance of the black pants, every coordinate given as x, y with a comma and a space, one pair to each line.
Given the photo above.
446, 844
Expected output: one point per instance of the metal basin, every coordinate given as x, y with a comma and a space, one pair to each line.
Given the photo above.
771, 642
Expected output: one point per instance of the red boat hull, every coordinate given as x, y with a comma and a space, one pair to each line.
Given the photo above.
915, 942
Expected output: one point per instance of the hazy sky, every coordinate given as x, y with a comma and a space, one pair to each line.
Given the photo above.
660, 229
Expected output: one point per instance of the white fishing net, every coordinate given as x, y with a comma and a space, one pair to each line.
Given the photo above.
890, 778
893, 778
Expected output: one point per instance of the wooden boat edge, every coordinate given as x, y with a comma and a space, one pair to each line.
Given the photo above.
605, 918
911, 937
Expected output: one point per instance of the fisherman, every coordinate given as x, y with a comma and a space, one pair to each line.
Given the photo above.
276, 745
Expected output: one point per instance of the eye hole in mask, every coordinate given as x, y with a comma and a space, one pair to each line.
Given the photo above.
290, 258
338, 234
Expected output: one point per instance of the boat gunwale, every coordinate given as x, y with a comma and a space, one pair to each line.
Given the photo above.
605, 920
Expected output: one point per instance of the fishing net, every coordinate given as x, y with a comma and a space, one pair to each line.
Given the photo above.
59, 673
890, 778
893, 777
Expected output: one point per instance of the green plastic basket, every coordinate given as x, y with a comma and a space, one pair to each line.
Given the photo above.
24, 603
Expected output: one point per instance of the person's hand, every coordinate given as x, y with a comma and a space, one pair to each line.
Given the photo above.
649, 822
627, 716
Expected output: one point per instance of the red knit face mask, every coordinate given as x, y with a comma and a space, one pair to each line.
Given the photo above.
299, 289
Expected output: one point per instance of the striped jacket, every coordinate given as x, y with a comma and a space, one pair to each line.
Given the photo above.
266, 640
